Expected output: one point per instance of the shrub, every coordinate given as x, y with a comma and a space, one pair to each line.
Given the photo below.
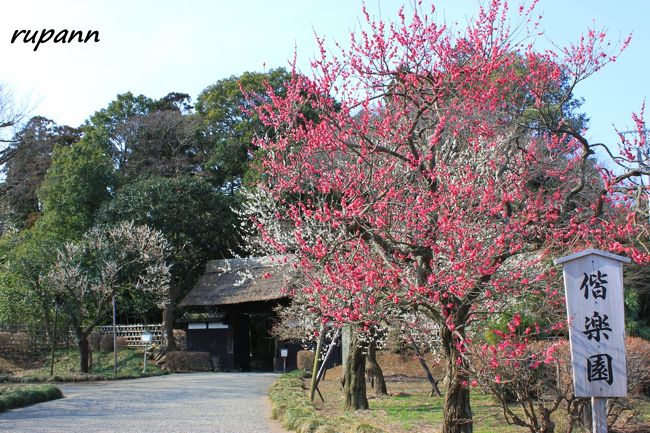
106, 343
305, 360
366, 428
326, 428
637, 355
95, 340
21, 396
310, 423
18, 341
180, 338
179, 361
7, 367
289, 402
5, 340
296, 415
291, 407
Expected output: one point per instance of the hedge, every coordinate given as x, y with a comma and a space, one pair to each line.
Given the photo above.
20, 396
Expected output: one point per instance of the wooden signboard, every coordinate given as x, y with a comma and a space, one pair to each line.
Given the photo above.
593, 282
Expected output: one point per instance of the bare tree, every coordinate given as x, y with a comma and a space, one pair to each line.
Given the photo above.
104, 263
11, 115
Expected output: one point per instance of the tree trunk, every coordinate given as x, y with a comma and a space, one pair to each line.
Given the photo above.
168, 327
576, 408
84, 351
375, 372
548, 426
354, 385
169, 317
457, 409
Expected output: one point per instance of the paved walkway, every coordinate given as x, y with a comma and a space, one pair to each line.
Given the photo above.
183, 403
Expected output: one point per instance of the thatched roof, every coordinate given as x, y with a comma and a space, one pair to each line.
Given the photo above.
235, 281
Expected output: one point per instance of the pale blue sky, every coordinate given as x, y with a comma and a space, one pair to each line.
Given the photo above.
154, 47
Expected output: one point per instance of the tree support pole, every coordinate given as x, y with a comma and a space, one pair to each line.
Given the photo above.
328, 355
314, 370
114, 338
56, 316
434, 385
599, 414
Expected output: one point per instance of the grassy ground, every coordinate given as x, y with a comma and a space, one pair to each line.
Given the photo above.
15, 396
410, 409
418, 411
66, 367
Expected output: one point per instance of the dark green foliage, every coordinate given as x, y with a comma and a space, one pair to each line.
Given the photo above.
79, 181
108, 127
138, 307
30, 157
148, 137
173, 101
76, 184
530, 319
25, 258
636, 314
194, 216
637, 300
228, 127
150, 161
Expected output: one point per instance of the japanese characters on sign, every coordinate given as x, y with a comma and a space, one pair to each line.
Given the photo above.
593, 281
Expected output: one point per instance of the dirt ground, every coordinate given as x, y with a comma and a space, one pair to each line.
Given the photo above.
398, 367
14, 362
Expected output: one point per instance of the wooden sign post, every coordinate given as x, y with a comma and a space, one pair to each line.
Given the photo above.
593, 282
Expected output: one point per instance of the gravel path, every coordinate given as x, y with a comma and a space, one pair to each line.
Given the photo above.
187, 403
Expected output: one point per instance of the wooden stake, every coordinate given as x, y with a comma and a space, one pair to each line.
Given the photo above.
314, 371
434, 385
599, 414
56, 316
330, 350
319, 394
114, 338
